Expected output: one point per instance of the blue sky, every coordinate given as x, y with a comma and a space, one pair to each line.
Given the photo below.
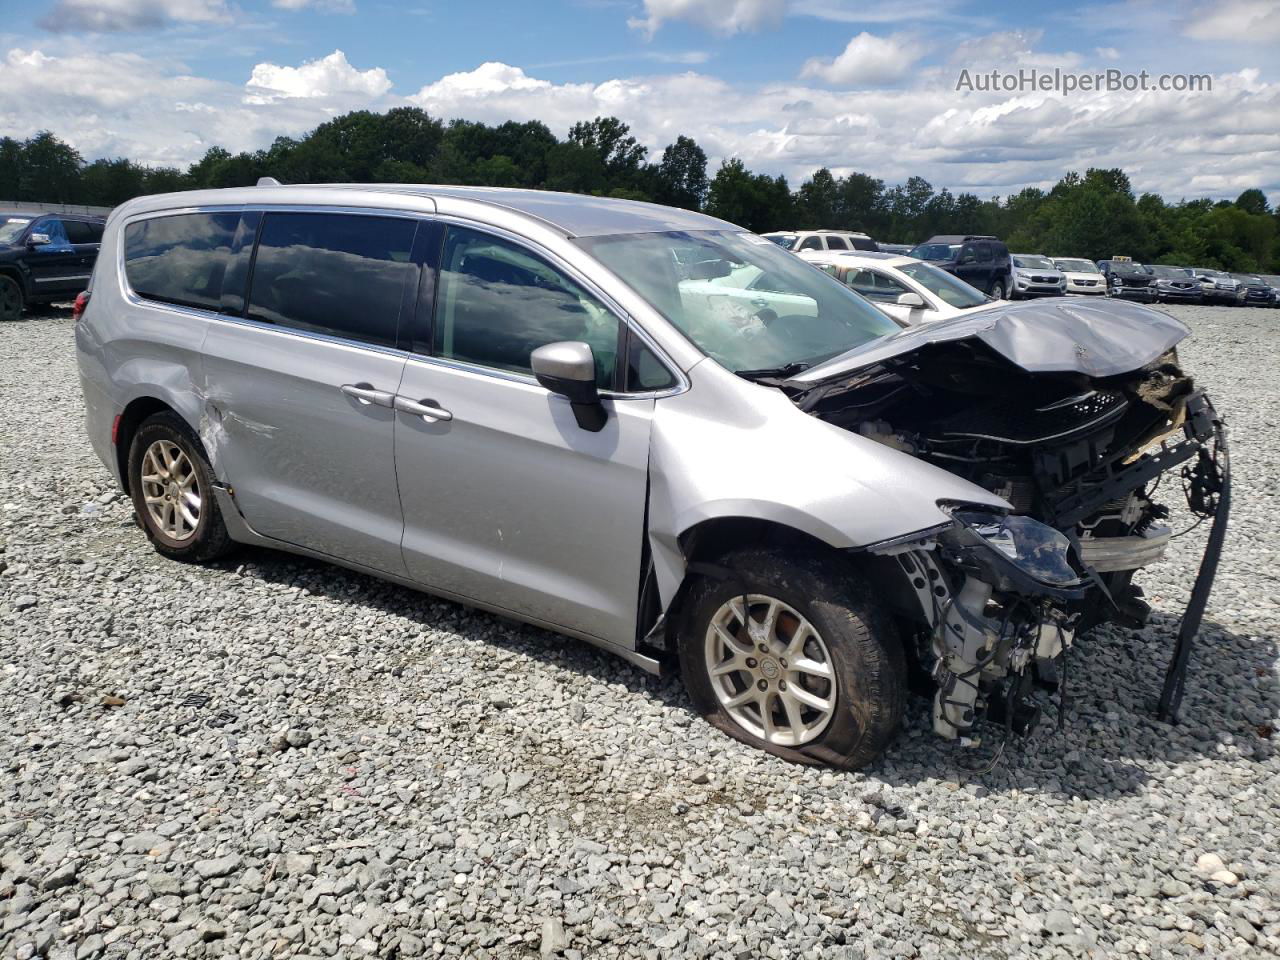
787, 85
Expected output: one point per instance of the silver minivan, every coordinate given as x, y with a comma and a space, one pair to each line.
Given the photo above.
543, 405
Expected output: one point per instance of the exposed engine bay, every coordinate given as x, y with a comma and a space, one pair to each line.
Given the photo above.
996, 600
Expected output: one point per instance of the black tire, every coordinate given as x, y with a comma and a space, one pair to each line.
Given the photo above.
998, 291
209, 540
866, 656
11, 299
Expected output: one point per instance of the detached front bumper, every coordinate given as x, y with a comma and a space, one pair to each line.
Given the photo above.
1003, 601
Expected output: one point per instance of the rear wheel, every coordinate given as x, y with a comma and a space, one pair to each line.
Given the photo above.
11, 299
172, 488
790, 655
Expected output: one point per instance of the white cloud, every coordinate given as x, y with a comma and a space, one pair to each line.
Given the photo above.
1189, 144
108, 16
331, 6
330, 77
718, 16
1237, 21
867, 60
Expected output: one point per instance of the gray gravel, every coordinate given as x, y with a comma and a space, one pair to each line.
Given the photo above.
277, 757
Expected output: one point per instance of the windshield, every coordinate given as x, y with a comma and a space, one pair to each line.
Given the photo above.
947, 288
1126, 267
1168, 273
785, 240
11, 228
936, 251
1031, 261
748, 304
1076, 266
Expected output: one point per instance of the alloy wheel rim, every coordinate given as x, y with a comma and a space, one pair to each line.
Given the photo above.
770, 670
171, 490
10, 300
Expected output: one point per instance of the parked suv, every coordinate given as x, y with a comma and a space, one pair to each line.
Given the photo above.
1219, 287
981, 262
798, 241
1176, 283
1257, 292
1035, 275
505, 397
45, 257
1130, 280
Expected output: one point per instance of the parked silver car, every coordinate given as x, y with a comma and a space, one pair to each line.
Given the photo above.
532, 403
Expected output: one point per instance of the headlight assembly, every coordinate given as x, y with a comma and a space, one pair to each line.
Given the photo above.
1013, 553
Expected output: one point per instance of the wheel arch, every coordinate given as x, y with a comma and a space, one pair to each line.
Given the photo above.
135, 413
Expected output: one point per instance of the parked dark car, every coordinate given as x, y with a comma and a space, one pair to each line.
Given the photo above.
45, 257
981, 262
1257, 292
1274, 283
1176, 283
901, 249
1130, 280
1219, 287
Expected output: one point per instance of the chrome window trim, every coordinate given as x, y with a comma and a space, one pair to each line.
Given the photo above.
682, 382
131, 296
201, 313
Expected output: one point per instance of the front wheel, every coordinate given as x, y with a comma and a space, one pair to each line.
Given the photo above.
790, 654
171, 483
997, 290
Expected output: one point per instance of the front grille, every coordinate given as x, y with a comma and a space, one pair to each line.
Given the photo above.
1044, 279
1020, 425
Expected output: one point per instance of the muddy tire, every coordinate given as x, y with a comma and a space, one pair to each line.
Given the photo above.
171, 484
817, 677
11, 299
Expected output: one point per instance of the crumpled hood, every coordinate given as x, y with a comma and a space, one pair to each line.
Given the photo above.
1098, 339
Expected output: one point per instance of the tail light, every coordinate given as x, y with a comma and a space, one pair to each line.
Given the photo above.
82, 301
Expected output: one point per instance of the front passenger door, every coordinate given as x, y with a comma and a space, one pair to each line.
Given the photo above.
506, 499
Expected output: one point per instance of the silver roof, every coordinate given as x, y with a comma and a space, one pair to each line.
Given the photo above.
576, 214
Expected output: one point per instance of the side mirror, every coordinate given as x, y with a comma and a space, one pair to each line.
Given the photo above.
568, 368
910, 299
37, 240
709, 270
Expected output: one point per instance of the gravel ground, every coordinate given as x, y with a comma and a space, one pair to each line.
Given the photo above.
277, 757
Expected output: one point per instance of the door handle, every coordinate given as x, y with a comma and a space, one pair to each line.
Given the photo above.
366, 394
427, 409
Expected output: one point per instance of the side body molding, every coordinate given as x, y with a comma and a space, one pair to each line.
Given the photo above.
729, 448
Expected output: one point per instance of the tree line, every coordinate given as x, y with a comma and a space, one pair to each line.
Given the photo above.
1095, 214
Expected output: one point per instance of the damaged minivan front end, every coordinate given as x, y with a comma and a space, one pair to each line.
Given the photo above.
1073, 415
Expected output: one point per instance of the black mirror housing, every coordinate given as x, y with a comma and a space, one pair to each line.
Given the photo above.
568, 368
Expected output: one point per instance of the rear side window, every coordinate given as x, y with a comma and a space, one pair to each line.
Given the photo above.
332, 273
80, 231
836, 243
984, 253
180, 259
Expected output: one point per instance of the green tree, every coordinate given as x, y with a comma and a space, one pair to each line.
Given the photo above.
755, 201
817, 202
610, 138
680, 179
50, 170
1253, 201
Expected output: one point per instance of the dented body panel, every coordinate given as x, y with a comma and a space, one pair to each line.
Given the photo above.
771, 461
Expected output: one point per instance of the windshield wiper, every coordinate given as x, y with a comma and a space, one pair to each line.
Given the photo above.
774, 373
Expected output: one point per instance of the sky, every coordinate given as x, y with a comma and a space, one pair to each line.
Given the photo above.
786, 85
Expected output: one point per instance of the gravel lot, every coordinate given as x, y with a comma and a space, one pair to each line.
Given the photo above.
277, 757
